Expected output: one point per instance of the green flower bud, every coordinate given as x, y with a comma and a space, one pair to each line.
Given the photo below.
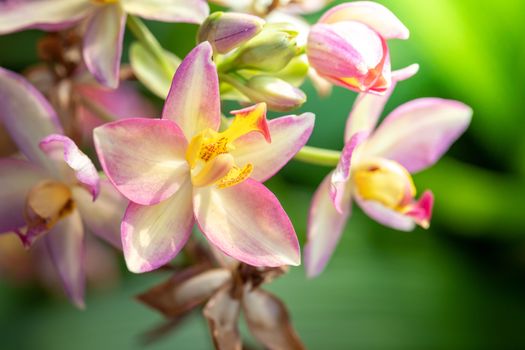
270, 51
277, 93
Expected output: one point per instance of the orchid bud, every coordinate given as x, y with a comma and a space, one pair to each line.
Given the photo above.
348, 46
226, 31
270, 51
277, 93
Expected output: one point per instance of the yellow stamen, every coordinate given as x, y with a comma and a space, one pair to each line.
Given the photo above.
47, 203
208, 152
384, 181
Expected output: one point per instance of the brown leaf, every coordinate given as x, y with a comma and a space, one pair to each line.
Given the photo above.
184, 291
268, 321
222, 313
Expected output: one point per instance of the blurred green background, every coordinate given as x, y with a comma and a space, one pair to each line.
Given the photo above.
459, 285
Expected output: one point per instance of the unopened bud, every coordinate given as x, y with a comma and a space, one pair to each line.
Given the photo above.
277, 93
226, 31
269, 51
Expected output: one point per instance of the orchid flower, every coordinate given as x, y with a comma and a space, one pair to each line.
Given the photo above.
105, 24
51, 194
225, 291
179, 170
348, 45
375, 167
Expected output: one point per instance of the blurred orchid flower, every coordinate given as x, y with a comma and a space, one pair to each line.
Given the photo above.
226, 291
105, 24
52, 193
375, 166
180, 169
348, 45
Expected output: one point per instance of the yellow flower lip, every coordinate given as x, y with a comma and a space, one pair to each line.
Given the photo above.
384, 181
48, 202
208, 152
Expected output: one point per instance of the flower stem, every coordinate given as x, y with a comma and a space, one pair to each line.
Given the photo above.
148, 40
318, 156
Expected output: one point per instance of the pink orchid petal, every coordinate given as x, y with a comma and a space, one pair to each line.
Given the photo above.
18, 177
62, 148
344, 50
374, 15
188, 11
65, 245
419, 132
421, 211
103, 216
289, 134
124, 102
222, 313
50, 15
27, 116
368, 107
339, 185
268, 321
143, 158
153, 235
247, 222
103, 44
325, 226
386, 216
193, 101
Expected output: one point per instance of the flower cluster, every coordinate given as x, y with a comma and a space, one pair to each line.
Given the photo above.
194, 169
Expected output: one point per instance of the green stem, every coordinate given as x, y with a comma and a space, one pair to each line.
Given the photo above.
318, 156
148, 40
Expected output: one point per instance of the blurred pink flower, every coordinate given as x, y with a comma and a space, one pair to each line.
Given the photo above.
51, 194
179, 170
375, 166
105, 24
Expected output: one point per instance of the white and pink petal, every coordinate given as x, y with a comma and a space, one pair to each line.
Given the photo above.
247, 222
153, 235
143, 158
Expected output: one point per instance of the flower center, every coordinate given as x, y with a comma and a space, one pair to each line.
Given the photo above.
209, 155
384, 181
47, 203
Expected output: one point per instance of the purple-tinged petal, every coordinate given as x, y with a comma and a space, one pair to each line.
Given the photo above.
62, 148
325, 226
269, 322
65, 244
247, 222
185, 291
124, 102
103, 44
153, 235
187, 11
385, 215
419, 132
289, 134
143, 158
226, 31
193, 101
103, 216
18, 177
374, 15
27, 116
368, 107
222, 313
52, 15
421, 211
339, 186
